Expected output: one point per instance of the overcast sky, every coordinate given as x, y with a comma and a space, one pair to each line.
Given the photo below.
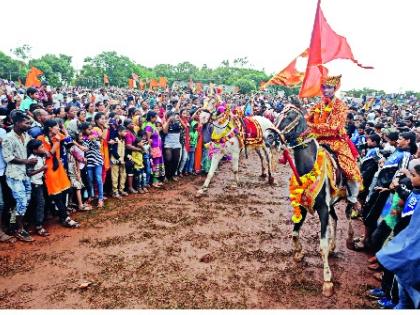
381, 33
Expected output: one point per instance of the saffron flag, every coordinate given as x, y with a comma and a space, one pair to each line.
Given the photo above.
289, 76
141, 85
106, 79
163, 82
326, 45
32, 78
153, 84
131, 83
198, 87
262, 85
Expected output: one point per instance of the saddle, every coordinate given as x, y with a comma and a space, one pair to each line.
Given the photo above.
250, 131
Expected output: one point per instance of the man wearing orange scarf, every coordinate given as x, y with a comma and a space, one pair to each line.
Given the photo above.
326, 121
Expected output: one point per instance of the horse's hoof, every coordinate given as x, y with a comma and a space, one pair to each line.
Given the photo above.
298, 257
200, 192
328, 289
332, 248
271, 180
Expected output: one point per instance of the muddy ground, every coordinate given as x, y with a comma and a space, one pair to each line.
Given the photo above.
168, 249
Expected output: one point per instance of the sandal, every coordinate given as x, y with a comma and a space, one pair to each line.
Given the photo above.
6, 238
70, 223
100, 204
42, 232
85, 207
156, 185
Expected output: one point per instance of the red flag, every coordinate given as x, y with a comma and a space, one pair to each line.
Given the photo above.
289, 76
325, 46
32, 78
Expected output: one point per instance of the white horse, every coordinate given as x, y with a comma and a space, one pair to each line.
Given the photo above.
226, 128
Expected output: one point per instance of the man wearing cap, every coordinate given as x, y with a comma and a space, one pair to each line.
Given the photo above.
327, 123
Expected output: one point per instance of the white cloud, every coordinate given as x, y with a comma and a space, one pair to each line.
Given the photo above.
382, 33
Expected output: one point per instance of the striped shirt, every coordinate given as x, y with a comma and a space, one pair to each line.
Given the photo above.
93, 154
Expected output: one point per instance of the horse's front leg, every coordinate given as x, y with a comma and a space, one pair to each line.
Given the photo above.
213, 167
353, 191
323, 211
235, 166
297, 246
267, 152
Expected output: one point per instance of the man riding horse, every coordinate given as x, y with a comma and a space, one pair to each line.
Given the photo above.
326, 121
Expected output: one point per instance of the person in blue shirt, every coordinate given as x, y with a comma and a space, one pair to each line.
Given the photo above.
402, 254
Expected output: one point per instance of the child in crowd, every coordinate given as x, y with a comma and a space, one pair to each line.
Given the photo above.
139, 174
36, 173
76, 165
94, 162
193, 145
118, 170
147, 161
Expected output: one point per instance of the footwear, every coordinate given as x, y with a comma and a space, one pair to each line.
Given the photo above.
386, 303
100, 204
24, 236
175, 179
132, 191
145, 190
116, 195
68, 222
41, 231
123, 193
140, 191
84, 207
374, 266
6, 238
376, 293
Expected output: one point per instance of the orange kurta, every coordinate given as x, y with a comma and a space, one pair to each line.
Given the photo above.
327, 123
56, 181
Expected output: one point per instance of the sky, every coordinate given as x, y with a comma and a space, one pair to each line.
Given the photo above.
382, 33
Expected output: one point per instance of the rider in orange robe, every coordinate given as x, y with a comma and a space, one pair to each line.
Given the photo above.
326, 121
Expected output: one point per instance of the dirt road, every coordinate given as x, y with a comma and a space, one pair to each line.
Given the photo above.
167, 249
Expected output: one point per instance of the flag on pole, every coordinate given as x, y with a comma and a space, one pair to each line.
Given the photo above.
32, 78
289, 76
163, 82
326, 45
131, 83
106, 79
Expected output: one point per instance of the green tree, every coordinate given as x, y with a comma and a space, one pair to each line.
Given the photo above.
118, 68
245, 85
185, 70
23, 52
58, 70
10, 68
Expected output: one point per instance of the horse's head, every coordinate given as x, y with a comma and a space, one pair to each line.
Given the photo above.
291, 123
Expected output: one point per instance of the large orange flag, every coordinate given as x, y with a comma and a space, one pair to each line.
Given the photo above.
289, 76
131, 83
325, 46
163, 82
153, 84
32, 78
106, 79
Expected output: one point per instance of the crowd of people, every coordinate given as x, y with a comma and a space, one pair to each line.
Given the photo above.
67, 149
